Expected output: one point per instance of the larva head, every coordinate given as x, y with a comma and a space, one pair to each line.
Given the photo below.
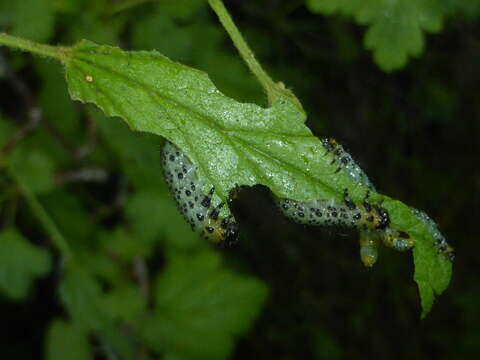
450, 253
329, 143
221, 231
382, 219
373, 217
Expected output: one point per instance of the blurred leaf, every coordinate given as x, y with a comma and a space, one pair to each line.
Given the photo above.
137, 154
153, 214
120, 244
71, 217
55, 102
20, 264
35, 169
200, 308
80, 293
66, 341
124, 304
182, 9
32, 19
6, 130
395, 26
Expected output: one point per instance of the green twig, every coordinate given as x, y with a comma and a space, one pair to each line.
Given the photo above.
55, 52
268, 84
43, 217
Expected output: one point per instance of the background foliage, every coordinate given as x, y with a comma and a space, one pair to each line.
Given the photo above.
143, 285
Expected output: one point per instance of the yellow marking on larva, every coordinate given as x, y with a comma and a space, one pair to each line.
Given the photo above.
88, 78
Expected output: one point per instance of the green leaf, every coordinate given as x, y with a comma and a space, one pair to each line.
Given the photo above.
432, 270
66, 341
201, 307
20, 264
396, 27
32, 19
231, 143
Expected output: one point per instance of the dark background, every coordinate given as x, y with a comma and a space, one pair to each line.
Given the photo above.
414, 131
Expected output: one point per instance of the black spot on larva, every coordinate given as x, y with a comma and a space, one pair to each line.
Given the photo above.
209, 229
357, 216
318, 213
180, 175
171, 158
200, 217
285, 206
214, 214
188, 192
301, 214
206, 202
334, 214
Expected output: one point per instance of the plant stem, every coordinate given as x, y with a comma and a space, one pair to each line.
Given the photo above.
55, 52
268, 84
43, 217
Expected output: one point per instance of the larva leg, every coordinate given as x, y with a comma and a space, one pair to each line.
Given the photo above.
397, 240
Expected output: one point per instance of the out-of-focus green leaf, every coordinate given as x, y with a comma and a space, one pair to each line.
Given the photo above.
181, 9
153, 214
138, 155
32, 19
124, 304
121, 244
200, 308
395, 26
20, 264
66, 341
55, 102
6, 130
71, 217
80, 293
35, 168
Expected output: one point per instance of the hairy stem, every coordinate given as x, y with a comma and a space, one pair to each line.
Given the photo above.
243, 48
54, 52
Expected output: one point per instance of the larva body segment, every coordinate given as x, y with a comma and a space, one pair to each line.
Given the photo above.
345, 162
368, 247
440, 242
206, 214
334, 213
